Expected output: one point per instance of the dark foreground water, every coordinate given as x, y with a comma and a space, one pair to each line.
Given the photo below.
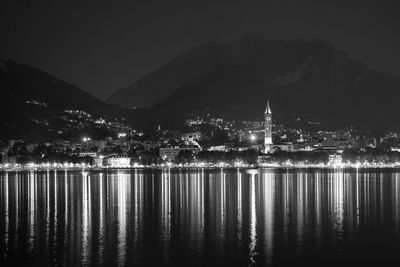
236, 218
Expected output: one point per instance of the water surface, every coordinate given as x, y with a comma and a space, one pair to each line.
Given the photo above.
200, 217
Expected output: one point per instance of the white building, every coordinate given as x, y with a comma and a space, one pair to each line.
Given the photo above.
88, 154
221, 148
119, 162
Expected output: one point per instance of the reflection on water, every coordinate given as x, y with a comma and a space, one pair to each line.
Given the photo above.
252, 217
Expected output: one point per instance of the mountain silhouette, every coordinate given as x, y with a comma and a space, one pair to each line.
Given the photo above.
33, 103
310, 78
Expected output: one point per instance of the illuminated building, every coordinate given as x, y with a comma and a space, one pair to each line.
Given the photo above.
218, 148
88, 154
191, 137
335, 160
98, 161
118, 161
268, 129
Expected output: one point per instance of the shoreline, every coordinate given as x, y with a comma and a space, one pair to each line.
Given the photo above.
208, 167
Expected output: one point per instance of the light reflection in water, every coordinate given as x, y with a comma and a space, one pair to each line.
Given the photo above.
239, 217
101, 219
55, 209
47, 210
336, 193
66, 214
32, 208
5, 193
169, 217
222, 209
86, 217
165, 214
253, 220
269, 196
17, 204
123, 198
396, 202
317, 193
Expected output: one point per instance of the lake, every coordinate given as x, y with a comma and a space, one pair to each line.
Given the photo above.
273, 217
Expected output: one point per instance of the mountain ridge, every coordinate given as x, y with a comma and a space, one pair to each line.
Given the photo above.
308, 77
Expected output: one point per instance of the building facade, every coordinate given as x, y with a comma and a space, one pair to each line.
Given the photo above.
118, 161
171, 152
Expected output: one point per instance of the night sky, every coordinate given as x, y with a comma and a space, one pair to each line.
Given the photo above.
103, 46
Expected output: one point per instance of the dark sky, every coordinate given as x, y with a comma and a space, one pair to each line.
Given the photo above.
102, 46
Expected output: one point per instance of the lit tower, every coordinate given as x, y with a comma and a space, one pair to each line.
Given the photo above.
268, 129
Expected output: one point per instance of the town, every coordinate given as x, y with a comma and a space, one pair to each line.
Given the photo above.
205, 142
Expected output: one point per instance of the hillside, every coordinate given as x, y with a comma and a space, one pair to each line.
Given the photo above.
312, 79
34, 104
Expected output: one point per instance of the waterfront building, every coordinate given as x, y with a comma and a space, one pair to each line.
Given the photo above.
335, 159
284, 146
98, 161
221, 148
88, 154
172, 151
4, 155
118, 161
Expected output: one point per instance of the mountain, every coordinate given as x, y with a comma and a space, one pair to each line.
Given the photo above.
309, 79
33, 104
164, 81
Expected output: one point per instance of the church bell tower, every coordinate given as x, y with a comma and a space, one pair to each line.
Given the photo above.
268, 129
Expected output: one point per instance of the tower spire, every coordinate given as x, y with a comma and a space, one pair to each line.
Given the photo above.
268, 109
